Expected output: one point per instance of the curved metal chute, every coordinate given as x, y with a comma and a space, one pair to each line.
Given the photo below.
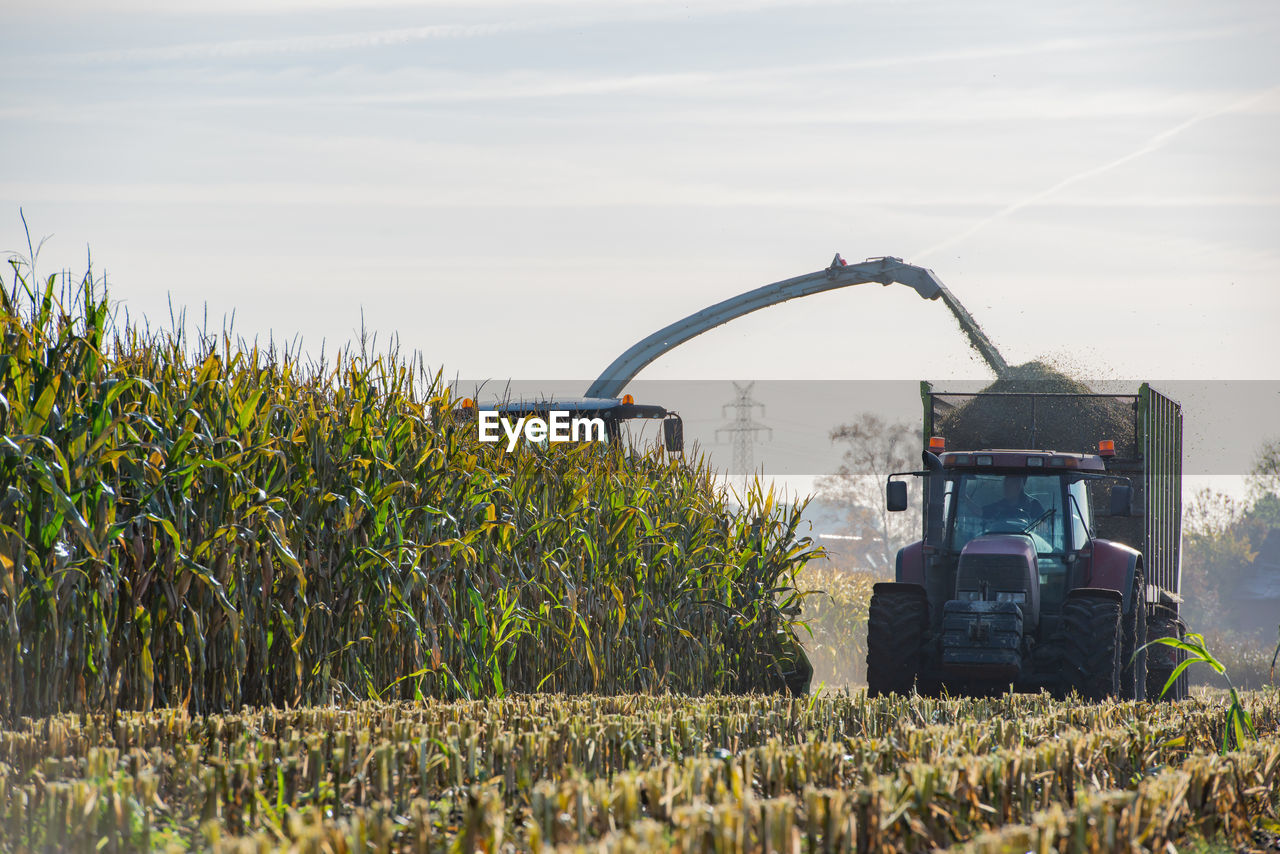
886, 271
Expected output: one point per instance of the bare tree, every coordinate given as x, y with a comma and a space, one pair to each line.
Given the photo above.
1265, 478
874, 448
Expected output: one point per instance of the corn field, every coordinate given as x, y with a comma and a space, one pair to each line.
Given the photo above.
644, 773
202, 523
835, 622
253, 602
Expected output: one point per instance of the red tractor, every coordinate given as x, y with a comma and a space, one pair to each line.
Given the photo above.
1020, 580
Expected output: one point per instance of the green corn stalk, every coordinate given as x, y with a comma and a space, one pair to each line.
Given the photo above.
1237, 722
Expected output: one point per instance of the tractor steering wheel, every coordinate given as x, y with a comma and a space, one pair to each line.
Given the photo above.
1011, 525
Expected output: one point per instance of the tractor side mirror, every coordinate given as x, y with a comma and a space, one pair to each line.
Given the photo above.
895, 496
1121, 500
673, 435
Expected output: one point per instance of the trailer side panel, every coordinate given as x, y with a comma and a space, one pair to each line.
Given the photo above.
1160, 437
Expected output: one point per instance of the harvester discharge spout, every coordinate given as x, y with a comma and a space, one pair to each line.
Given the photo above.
977, 338
885, 270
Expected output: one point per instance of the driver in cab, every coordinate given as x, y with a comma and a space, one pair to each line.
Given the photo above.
1015, 504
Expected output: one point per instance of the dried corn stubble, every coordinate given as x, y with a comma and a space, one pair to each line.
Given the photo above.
642, 773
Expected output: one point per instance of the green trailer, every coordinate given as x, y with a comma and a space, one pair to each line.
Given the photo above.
1148, 451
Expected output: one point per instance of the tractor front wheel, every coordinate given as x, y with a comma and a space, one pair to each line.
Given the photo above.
897, 625
1091, 645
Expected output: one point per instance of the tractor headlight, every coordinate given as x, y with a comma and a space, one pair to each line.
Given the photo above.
1011, 597
970, 595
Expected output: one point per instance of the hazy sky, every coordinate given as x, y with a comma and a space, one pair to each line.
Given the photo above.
524, 188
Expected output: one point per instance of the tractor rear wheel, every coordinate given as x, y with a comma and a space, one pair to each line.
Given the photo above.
1091, 645
1163, 659
1133, 669
897, 624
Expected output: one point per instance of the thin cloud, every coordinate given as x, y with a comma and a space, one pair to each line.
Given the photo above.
436, 88
708, 99
604, 189
1155, 143
337, 42
618, 13
277, 7
240, 48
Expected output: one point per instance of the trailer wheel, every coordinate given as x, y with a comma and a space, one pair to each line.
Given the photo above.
897, 623
1091, 646
1133, 672
1163, 659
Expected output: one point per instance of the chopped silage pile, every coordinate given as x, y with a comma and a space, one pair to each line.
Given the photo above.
1059, 424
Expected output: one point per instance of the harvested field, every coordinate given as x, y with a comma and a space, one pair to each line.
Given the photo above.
643, 773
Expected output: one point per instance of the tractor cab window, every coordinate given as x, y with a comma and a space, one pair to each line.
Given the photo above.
1008, 504
1079, 514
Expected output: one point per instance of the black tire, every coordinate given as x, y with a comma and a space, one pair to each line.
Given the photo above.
1133, 670
799, 674
930, 687
1091, 646
1162, 660
897, 624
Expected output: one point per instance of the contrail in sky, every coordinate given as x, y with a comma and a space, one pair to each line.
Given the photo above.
1156, 142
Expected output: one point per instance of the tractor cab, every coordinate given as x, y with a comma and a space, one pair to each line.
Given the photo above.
1036, 504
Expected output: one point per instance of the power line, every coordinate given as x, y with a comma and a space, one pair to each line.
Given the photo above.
743, 429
